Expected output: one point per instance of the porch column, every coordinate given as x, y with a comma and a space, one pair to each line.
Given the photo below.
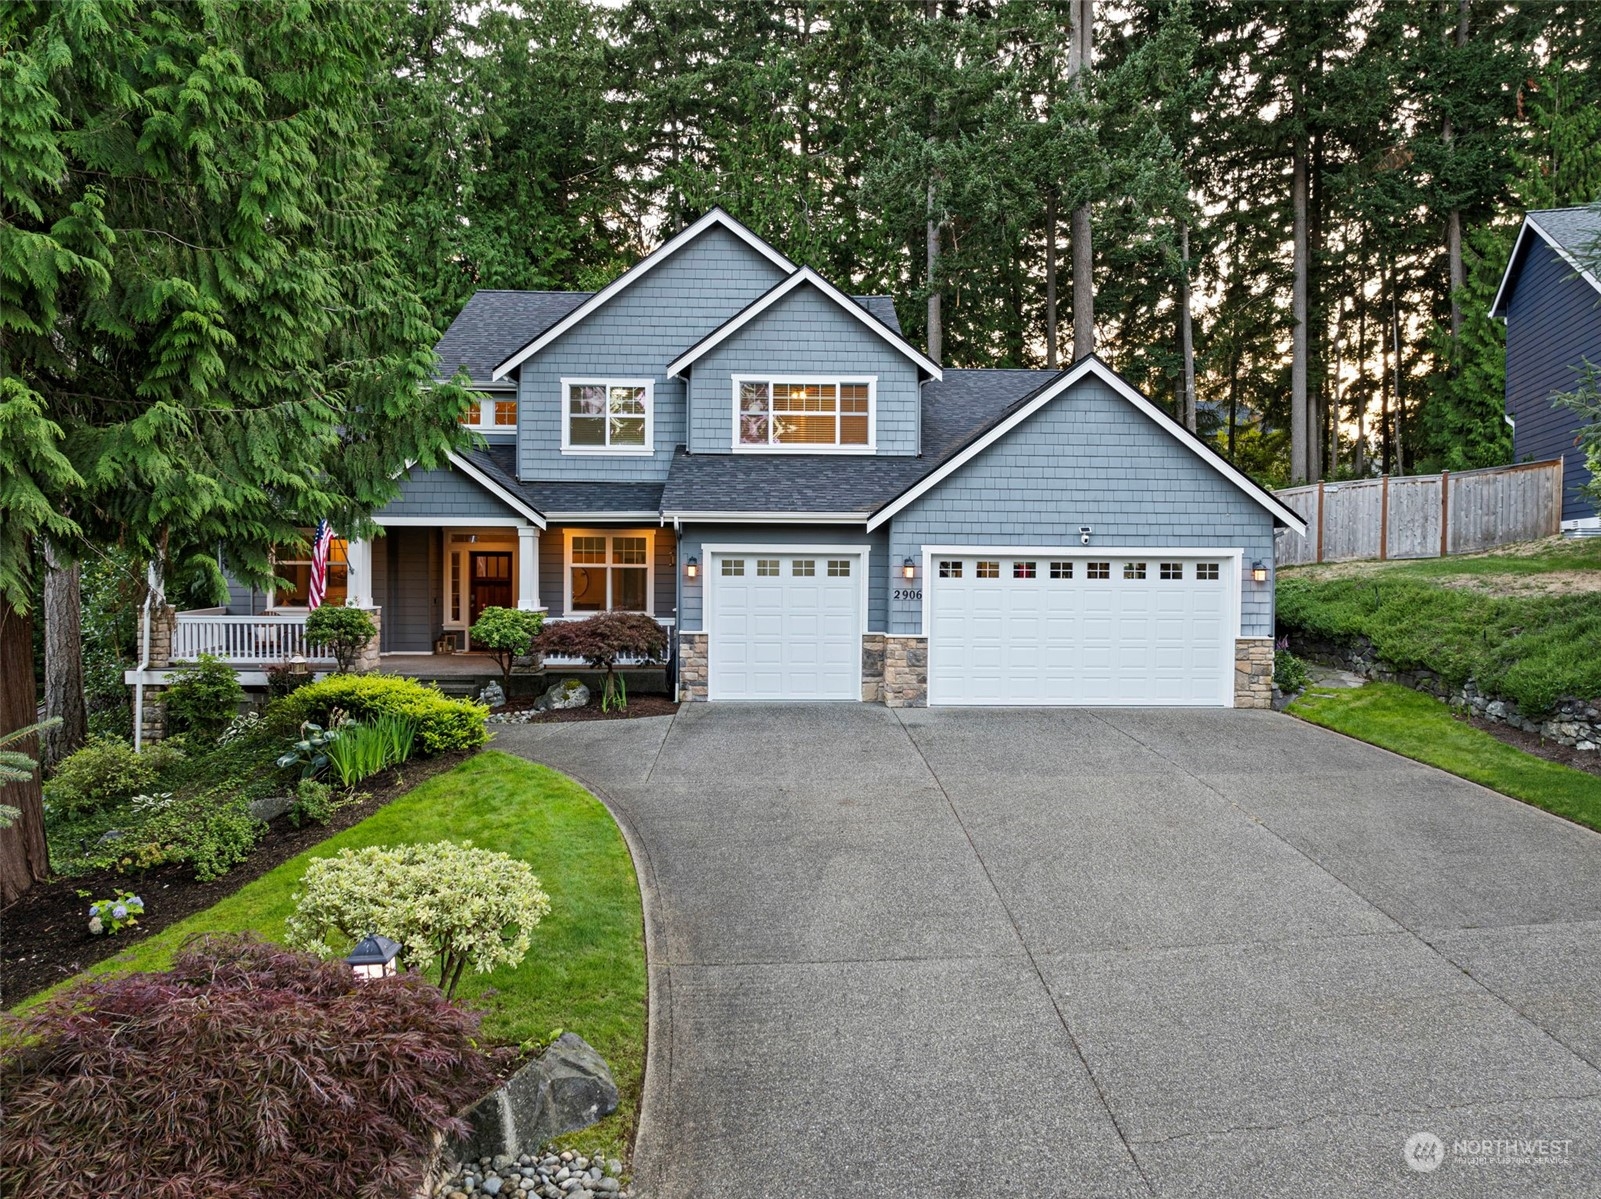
527, 568
358, 559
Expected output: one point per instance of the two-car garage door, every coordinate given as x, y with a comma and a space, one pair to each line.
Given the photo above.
1094, 629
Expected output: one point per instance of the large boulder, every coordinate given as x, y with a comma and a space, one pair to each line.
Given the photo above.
568, 1087
569, 693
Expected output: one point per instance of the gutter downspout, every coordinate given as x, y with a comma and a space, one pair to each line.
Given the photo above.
144, 664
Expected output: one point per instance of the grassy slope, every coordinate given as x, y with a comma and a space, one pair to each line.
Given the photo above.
1421, 727
1522, 644
586, 970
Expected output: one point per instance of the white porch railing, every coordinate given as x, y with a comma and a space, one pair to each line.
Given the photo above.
240, 639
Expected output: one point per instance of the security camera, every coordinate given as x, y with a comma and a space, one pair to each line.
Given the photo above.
1084, 532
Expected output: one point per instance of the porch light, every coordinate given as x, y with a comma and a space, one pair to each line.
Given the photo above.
908, 569
299, 667
1259, 571
692, 568
374, 957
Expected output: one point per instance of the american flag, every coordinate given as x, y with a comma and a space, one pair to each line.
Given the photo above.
321, 542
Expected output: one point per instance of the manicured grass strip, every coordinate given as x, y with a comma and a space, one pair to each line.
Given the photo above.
586, 970
1421, 727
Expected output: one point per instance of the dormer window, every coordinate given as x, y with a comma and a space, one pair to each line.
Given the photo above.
492, 413
607, 416
803, 414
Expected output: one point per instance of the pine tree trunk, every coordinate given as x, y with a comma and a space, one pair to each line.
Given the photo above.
1299, 424
1079, 59
1453, 220
1186, 332
931, 233
1400, 400
63, 657
1051, 359
24, 856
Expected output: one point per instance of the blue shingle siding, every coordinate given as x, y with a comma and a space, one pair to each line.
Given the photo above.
696, 537
446, 494
1553, 323
634, 336
1089, 458
805, 333
408, 585
243, 600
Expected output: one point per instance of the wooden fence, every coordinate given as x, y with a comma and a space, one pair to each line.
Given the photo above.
1423, 516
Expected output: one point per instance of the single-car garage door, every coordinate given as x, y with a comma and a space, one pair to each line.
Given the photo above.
1079, 628
785, 625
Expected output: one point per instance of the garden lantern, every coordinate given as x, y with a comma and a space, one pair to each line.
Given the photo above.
692, 567
374, 957
908, 570
1259, 571
299, 667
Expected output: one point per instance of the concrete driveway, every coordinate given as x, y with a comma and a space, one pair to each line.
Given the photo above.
1074, 953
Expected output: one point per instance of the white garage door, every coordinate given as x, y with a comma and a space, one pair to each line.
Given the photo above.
1077, 628
785, 625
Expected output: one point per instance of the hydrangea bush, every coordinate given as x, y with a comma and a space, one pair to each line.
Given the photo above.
111, 916
451, 906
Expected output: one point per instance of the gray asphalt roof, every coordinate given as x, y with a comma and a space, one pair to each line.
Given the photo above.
496, 324
954, 410
500, 463
1576, 230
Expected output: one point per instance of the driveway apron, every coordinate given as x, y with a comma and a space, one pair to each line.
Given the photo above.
1092, 953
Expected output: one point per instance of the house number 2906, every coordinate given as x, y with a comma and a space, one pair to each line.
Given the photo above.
908, 593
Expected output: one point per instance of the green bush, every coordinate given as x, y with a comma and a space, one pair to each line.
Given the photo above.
314, 801
443, 724
451, 906
211, 832
1289, 672
344, 632
508, 633
203, 698
104, 773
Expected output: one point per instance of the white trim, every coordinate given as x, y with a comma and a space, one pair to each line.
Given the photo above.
1149, 553
513, 502
804, 275
591, 515
767, 518
714, 550
571, 531
1089, 366
450, 522
609, 451
835, 447
1497, 311
638, 271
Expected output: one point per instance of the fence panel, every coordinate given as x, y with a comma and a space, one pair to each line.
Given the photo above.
1423, 516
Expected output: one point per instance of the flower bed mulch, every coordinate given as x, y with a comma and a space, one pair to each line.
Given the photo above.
44, 936
521, 711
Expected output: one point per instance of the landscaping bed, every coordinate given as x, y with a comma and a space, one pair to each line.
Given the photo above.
523, 711
46, 931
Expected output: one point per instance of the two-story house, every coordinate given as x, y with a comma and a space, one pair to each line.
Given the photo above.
727, 441
1550, 299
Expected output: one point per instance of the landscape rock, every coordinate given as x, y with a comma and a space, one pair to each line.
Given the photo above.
566, 1088
569, 693
270, 807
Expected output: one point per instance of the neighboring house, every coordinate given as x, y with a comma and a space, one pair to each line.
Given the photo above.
1550, 298
726, 441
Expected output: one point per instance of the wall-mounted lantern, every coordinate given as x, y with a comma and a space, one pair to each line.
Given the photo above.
374, 957
908, 569
1259, 571
692, 568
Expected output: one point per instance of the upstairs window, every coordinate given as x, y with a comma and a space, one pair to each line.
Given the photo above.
492, 413
814, 414
607, 416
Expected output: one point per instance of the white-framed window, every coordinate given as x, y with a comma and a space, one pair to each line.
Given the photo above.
296, 572
805, 414
609, 570
493, 412
608, 416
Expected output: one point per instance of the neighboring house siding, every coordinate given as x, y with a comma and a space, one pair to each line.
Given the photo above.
636, 335
408, 585
805, 333
553, 567
696, 537
1553, 323
445, 494
1089, 458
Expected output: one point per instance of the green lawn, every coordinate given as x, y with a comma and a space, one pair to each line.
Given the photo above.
586, 970
1421, 727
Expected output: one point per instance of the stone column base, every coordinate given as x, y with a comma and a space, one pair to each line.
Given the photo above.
154, 725
905, 672
872, 667
1253, 672
692, 667
367, 659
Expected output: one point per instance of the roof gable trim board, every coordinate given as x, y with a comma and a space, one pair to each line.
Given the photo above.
638, 271
798, 279
1092, 365
1498, 308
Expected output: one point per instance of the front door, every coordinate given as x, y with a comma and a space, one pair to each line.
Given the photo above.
489, 575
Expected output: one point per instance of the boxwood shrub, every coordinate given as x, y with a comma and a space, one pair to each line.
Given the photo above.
443, 724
